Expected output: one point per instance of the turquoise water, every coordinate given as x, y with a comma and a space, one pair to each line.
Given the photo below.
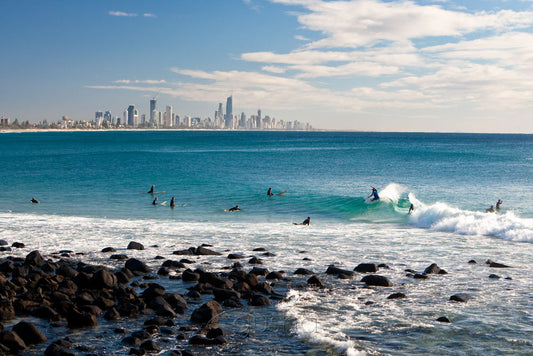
92, 187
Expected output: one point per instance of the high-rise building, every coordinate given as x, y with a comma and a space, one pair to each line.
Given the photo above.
168, 117
153, 107
229, 112
133, 116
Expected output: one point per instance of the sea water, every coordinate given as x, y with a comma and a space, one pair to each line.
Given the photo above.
93, 192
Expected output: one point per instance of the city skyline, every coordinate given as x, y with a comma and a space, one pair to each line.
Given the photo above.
419, 65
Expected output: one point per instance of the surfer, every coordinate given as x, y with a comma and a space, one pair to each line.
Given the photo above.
151, 191
33, 200
411, 209
490, 210
269, 192
155, 202
172, 204
374, 194
305, 222
235, 208
498, 204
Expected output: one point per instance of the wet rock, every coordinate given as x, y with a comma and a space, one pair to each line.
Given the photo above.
207, 313
199, 339
214, 332
108, 249
443, 319
339, 271
376, 280
134, 351
135, 246
235, 256
202, 251
224, 294
432, 269
111, 314
7, 311
103, 278
3, 242
18, 245
461, 297
77, 319
472, 262
46, 313
29, 333
366, 268
314, 281
13, 341
494, 276
259, 249
119, 257
176, 301
255, 261
420, 276
303, 271
268, 254
190, 276
498, 265
131, 341
274, 275
150, 346
259, 300
396, 296
258, 271
163, 271
135, 265
34, 258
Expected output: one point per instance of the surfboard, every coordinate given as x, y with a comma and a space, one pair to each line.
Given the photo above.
283, 192
164, 203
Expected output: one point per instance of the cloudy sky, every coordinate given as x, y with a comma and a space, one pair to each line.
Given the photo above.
420, 65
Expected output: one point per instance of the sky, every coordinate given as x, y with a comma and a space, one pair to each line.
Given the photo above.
371, 65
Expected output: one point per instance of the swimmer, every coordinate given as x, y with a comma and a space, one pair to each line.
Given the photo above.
172, 204
155, 202
34, 201
498, 204
490, 210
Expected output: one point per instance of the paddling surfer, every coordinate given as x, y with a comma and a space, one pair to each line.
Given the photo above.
34, 201
235, 208
269, 192
305, 222
151, 191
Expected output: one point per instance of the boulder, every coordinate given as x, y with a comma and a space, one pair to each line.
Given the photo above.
3, 242
461, 297
497, 265
18, 245
314, 281
108, 249
339, 271
135, 265
135, 246
13, 341
366, 268
77, 319
274, 275
34, 258
7, 311
235, 256
111, 314
303, 271
150, 346
119, 257
104, 278
208, 313
258, 271
396, 296
432, 269
443, 319
376, 280
255, 261
29, 333
202, 251
224, 294
190, 276
259, 300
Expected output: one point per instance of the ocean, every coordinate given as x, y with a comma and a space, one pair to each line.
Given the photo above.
92, 188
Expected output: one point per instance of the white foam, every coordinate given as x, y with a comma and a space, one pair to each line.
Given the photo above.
442, 217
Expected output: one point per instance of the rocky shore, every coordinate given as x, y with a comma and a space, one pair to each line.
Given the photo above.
46, 300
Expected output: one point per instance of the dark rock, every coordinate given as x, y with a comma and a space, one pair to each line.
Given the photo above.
190, 276
202, 251
376, 280
255, 261
498, 265
432, 269
461, 297
29, 333
214, 332
103, 278
268, 254
265, 288
208, 313
119, 257
135, 246
199, 339
224, 294
259, 300
472, 262
12, 340
3, 242
150, 346
339, 271
91, 309
111, 314
303, 271
366, 268
7, 311
442, 271
396, 296
314, 281
259, 249
135, 265
34, 258
163, 271
494, 276
46, 313
274, 275
134, 351
235, 256
259, 271
7, 267
153, 290
185, 261
509, 278
159, 257
108, 249
131, 340
67, 271
5, 249
18, 245
77, 319
177, 302
443, 319
420, 276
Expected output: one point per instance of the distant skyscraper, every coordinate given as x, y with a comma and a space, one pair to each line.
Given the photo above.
153, 107
133, 116
229, 112
168, 117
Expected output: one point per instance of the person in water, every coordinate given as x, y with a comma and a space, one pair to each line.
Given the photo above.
34, 201
498, 204
155, 202
411, 209
151, 189
269, 192
374, 194
235, 208
490, 210
172, 203
305, 222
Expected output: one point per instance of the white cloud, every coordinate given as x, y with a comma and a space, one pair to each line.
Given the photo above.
274, 69
122, 14
148, 81
302, 38
149, 15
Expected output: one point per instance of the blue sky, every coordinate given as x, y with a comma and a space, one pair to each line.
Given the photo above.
455, 66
